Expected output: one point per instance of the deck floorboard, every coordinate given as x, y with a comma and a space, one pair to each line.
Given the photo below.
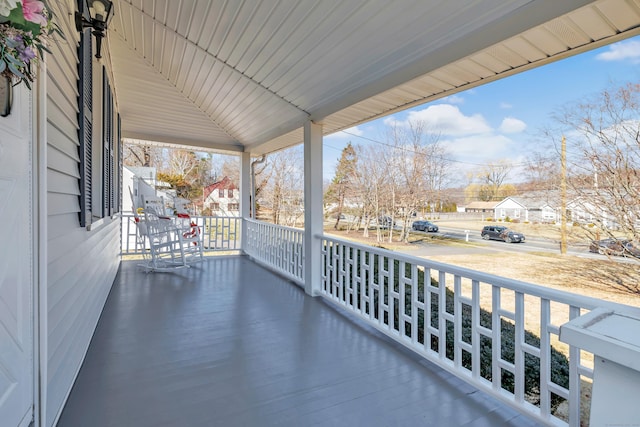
228, 343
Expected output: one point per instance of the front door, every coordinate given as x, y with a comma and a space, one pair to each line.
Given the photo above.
16, 256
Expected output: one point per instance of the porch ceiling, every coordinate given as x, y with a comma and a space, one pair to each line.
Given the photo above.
243, 75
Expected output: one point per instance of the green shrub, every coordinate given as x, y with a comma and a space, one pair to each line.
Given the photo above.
489, 219
507, 219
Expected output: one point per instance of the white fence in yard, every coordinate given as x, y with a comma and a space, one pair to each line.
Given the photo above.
216, 234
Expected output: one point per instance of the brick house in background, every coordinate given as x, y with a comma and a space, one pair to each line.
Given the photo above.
222, 198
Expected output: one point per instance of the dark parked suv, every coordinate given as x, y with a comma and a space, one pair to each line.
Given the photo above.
424, 226
618, 247
500, 232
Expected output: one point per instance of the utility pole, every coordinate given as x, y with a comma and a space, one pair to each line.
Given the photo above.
563, 197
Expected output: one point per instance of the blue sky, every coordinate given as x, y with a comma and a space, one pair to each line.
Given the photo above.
503, 119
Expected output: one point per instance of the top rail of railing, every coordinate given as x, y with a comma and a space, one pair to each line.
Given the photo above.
503, 282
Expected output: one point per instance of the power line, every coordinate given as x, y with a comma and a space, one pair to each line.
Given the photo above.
415, 152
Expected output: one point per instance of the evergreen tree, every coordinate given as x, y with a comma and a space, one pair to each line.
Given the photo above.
343, 182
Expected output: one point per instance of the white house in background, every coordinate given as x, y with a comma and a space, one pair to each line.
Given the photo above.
222, 198
135, 188
527, 208
583, 211
481, 207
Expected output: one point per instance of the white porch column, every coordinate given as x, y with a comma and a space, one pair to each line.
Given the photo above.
313, 213
614, 340
245, 195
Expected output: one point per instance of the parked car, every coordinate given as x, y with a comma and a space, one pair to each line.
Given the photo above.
617, 247
500, 232
385, 222
424, 226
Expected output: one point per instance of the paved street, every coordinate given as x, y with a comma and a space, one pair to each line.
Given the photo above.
482, 246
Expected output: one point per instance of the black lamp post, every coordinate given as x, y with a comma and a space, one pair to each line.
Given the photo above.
99, 11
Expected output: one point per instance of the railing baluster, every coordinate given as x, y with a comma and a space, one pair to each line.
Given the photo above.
545, 356
414, 304
519, 343
427, 310
391, 275
574, 377
401, 298
457, 323
475, 329
496, 330
442, 311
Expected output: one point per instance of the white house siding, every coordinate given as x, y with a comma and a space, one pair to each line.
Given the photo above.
81, 264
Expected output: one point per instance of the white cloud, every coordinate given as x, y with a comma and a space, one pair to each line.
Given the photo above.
505, 105
345, 135
629, 50
512, 125
445, 119
472, 151
454, 99
480, 148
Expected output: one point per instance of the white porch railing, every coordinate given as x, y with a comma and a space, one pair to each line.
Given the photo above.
216, 234
498, 334
281, 248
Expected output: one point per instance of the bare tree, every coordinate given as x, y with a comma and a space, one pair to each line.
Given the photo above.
491, 178
225, 165
418, 169
370, 181
183, 163
186, 171
281, 182
603, 145
437, 174
542, 172
136, 154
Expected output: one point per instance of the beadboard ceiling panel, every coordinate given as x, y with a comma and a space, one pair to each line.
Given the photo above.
246, 75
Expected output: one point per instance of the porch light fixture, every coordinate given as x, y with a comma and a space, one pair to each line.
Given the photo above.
100, 12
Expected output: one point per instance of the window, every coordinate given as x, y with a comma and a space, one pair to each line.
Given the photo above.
214, 206
234, 206
230, 193
221, 193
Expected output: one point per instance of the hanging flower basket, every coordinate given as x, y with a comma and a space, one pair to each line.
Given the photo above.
25, 26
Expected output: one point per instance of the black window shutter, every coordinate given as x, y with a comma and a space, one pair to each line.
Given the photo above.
85, 113
112, 158
107, 138
119, 188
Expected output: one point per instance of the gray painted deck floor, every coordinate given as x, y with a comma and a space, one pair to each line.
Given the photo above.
228, 343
